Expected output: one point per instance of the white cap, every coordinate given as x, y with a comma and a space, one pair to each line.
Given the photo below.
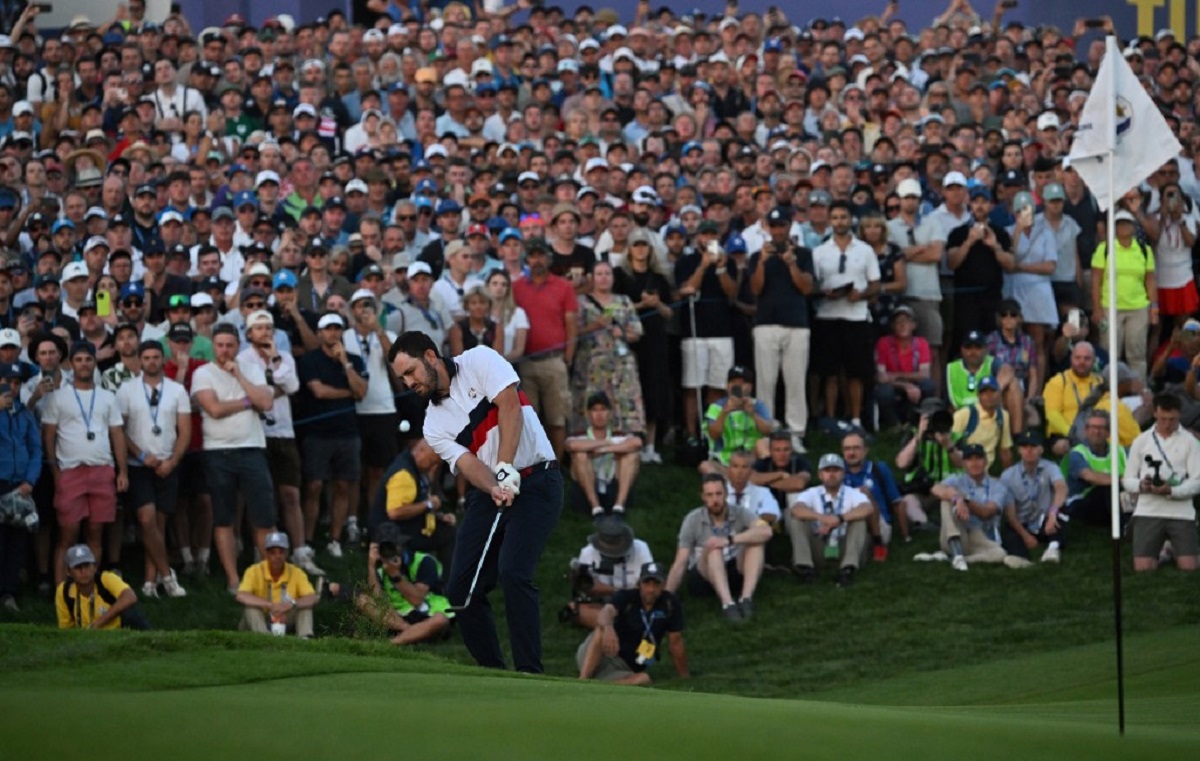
92, 242
200, 300
524, 176
74, 270
362, 293
170, 216
719, 57
259, 317
22, 107
331, 320
595, 163
954, 178
853, 33
437, 149
1121, 216
909, 188
9, 337
482, 66
614, 30
267, 175
588, 44
304, 108
727, 22
356, 186
625, 53
1048, 120
456, 77
373, 34
418, 268
258, 268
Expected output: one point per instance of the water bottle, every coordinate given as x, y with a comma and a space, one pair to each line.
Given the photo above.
279, 620
831, 546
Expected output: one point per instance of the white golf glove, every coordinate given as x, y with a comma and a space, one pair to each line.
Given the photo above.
508, 477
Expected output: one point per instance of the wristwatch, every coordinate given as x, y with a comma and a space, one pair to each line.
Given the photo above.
429, 505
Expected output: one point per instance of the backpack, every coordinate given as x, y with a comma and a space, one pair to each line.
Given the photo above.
1086, 405
973, 421
69, 598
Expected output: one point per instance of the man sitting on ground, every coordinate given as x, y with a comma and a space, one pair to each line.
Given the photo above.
1039, 493
972, 502
1089, 473
720, 549
746, 494
1079, 389
608, 563
630, 630
1164, 471
604, 462
985, 423
874, 479
829, 521
734, 421
274, 592
783, 470
91, 600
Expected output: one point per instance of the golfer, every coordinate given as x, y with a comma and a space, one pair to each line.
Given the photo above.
483, 426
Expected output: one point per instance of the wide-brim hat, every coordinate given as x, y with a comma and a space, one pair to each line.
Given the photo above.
613, 537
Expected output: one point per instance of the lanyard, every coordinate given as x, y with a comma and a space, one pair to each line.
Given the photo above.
364, 349
1032, 493
153, 402
87, 416
1161, 451
79, 605
430, 315
987, 489
830, 506
646, 624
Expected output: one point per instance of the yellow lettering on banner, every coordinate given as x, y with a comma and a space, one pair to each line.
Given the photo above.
1145, 15
1179, 19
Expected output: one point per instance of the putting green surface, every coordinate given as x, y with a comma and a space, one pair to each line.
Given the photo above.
183, 696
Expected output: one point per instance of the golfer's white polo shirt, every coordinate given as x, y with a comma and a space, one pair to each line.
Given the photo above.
468, 421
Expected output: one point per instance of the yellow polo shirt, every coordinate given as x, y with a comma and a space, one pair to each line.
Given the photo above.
88, 608
987, 433
257, 580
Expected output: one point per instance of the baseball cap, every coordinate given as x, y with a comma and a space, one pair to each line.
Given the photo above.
331, 320
74, 270
972, 450
448, 206
284, 279
418, 268
1054, 192
83, 347
201, 300
974, 338
78, 555
831, 460
1124, 216
362, 293
509, 233
259, 317
266, 175
980, 191
778, 216
954, 178
652, 572
741, 372
988, 383
276, 539
1029, 438
909, 188
180, 332
9, 337
133, 289
10, 369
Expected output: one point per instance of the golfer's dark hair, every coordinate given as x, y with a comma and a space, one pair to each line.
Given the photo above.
1167, 402
414, 343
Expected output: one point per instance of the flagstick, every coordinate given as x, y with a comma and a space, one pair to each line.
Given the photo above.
1115, 441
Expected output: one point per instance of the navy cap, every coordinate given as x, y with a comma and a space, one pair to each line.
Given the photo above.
974, 338
972, 450
988, 383
779, 216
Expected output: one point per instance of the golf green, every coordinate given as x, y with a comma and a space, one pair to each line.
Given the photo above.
184, 696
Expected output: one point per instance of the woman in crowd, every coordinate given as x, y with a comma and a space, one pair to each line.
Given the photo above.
872, 228
642, 281
1009, 344
513, 322
477, 328
603, 361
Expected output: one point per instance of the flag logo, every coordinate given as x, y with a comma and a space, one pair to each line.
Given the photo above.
1124, 116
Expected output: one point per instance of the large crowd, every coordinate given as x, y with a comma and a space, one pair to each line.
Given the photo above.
711, 236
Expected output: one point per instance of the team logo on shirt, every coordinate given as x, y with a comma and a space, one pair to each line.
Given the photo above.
471, 393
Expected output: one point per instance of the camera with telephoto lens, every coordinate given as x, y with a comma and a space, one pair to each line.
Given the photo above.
737, 391
1156, 466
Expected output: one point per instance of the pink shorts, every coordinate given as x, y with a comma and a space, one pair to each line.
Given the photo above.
87, 492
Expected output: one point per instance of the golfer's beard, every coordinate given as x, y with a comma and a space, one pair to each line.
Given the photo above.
430, 391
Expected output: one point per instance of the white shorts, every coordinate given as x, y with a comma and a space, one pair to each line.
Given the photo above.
706, 361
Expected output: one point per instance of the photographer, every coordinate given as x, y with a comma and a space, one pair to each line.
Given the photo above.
607, 564
735, 421
1173, 232
927, 457
1164, 471
782, 280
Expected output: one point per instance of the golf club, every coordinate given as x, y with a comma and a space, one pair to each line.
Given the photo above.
482, 559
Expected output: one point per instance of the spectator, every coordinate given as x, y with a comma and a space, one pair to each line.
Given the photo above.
829, 521
1010, 346
783, 470
1028, 283
456, 279
1136, 290
920, 240
604, 362
721, 549
873, 478
972, 502
893, 267
782, 279
84, 443
1071, 394
1162, 463
19, 469
703, 277
1067, 280
1173, 230
475, 327
985, 424
927, 457
964, 375
607, 564
1088, 470
1039, 496
622, 646
230, 395
848, 272
511, 319
403, 497
333, 382
745, 494
158, 429
604, 461
979, 253
276, 595
735, 421
903, 375
550, 302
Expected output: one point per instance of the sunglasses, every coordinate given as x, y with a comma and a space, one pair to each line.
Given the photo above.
134, 303
406, 217
893, 209
318, 254
1010, 313
254, 304
260, 283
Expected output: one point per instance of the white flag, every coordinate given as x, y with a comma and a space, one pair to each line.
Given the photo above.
1120, 117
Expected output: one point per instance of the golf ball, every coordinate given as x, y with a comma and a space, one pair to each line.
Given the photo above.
405, 426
